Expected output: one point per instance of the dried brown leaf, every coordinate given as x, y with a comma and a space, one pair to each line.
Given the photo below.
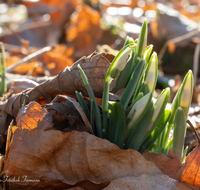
84, 31
62, 160
22, 84
67, 81
169, 164
79, 109
190, 173
57, 59
147, 182
171, 47
154, 28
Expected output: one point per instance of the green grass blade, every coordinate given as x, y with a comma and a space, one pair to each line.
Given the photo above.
183, 99
138, 111
179, 133
83, 105
145, 88
186, 93
156, 132
161, 139
159, 108
147, 53
168, 147
115, 68
140, 48
117, 124
136, 136
184, 154
139, 96
91, 95
128, 41
3, 71
132, 84
142, 40
92, 116
123, 77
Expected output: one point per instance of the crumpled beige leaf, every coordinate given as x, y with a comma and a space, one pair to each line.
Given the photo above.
51, 158
169, 164
147, 182
66, 82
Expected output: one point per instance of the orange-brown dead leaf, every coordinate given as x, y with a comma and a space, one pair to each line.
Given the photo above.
119, 3
28, 117
24, 68
58, 58
59, 11
169, 164
84, 31
62, 160
171, 47
190, 172
154, 28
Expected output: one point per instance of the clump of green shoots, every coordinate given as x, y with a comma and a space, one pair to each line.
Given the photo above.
138, 121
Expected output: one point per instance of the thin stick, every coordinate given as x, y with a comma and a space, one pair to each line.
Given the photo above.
196, 61
29, 26
27, 58
24, 43
176, 40
195, 132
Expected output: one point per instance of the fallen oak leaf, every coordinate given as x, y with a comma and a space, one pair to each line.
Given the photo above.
67, 81
169, 165
61, 160
147, 182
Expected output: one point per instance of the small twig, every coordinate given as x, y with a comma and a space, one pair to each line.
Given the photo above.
196, 61
24, 43
27, 58
11, 47
195, 132
29, 26
176, 40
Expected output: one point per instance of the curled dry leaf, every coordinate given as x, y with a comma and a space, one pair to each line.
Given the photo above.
147, 182
67, 81
66, 118
190, 172
79, 109
20, 85
59, 160
169, 164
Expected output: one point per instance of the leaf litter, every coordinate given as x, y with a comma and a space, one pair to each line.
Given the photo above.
67, 81
63, 160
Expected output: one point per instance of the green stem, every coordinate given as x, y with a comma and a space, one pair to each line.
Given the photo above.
105, 106
91, 95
